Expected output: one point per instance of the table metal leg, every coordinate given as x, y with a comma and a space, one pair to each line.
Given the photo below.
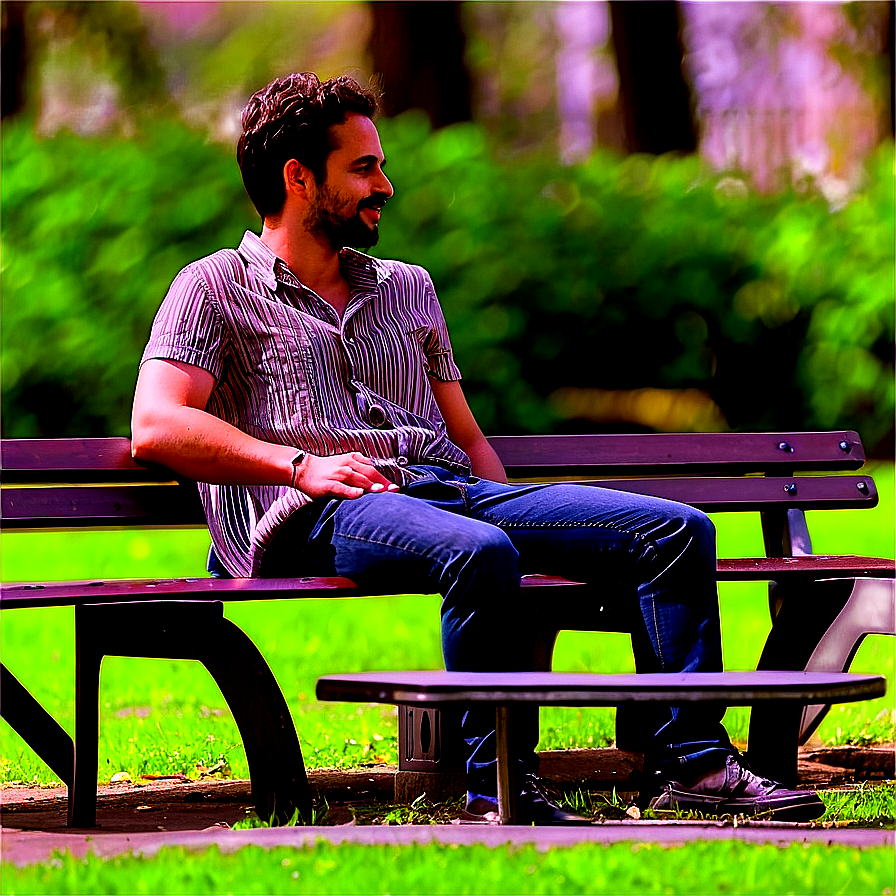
506, 792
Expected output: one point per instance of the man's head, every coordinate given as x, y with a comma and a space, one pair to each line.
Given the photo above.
294, 118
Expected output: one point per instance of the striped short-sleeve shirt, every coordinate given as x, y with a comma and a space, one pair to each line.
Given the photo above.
288, 370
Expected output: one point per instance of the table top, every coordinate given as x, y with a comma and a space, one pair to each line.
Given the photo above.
591, 689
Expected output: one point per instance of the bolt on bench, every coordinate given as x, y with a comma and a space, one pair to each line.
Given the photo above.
822, 606
789, 692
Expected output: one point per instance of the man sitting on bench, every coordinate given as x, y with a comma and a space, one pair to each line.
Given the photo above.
311, 390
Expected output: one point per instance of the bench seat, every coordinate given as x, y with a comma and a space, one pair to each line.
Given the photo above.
63, 594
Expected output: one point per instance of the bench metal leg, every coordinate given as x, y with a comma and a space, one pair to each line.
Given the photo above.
36, 726
805, 611
870, 610
88, 659
276, 768
195, 630
819, 626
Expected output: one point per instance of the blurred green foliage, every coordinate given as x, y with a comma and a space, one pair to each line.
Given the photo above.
93, 232
640, 272
616, 274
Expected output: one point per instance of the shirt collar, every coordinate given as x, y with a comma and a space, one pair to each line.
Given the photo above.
257, 255
363, 268
359, 268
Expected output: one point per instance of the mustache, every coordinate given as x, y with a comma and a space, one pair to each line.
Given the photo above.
377, 201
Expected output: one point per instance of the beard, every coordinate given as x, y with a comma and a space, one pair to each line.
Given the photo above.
336, 220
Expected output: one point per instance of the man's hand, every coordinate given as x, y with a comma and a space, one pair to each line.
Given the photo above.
340, 476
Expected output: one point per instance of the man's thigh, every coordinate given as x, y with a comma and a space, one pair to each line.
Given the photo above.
404, 538
580, 531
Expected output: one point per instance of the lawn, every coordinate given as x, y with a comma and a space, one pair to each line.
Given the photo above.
164, 716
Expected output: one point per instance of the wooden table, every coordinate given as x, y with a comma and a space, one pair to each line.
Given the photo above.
790, 691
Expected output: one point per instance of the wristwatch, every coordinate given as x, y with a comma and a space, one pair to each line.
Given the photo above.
296, 462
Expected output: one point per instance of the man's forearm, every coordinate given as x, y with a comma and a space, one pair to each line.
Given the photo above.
200, 446
485, 462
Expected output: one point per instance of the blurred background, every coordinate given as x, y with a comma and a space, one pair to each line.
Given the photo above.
639, 216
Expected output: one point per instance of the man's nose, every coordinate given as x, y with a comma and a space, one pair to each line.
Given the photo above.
385, 186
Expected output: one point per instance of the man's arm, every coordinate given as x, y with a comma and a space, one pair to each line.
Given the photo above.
464, 431
170, 426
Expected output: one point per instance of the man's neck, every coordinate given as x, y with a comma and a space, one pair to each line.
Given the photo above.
313, 260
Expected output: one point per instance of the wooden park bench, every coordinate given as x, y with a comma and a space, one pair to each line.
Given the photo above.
822, 606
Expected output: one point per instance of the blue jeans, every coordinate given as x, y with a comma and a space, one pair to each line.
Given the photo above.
471, 539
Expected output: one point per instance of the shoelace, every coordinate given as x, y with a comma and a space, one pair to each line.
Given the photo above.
745, 777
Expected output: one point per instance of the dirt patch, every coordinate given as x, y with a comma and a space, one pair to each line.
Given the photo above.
180, 805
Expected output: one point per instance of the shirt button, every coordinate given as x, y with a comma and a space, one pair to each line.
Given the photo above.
402, 460
376, 415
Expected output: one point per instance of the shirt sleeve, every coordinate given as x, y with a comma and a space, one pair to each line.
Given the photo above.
440, 362
188, 326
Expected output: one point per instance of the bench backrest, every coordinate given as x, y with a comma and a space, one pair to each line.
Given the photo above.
96, 483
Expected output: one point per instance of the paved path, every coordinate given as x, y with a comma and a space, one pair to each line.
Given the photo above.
144, 817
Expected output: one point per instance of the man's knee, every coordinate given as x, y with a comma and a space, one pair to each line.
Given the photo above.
483, 545
699, 524
683, 532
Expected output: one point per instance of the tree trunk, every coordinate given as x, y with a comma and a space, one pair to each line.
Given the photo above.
13, 60
653, 92
418, 51
890, 23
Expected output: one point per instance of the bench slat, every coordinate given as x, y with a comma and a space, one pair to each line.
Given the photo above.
78, 460
75, 460
809, 566
756, 493
655, 453
49, 594
66, 507
62, 594
178, 505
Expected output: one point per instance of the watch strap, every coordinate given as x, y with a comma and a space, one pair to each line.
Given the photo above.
297, 460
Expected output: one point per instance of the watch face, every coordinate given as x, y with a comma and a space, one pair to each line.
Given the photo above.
300, 456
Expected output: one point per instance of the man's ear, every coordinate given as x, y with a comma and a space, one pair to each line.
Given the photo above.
296, 177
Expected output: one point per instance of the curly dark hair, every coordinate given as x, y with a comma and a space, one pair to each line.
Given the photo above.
291, 119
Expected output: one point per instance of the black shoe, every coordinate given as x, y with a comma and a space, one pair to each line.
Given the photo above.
532, 807
735, 790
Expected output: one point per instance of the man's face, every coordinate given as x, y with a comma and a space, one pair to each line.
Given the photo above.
345, 208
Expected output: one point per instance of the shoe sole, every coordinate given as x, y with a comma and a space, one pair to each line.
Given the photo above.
470, 818
794, 807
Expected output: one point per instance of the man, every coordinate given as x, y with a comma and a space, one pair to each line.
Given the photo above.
312, 392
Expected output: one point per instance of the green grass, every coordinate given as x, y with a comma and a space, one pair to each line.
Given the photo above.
623, 868
872, 804
163, 716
